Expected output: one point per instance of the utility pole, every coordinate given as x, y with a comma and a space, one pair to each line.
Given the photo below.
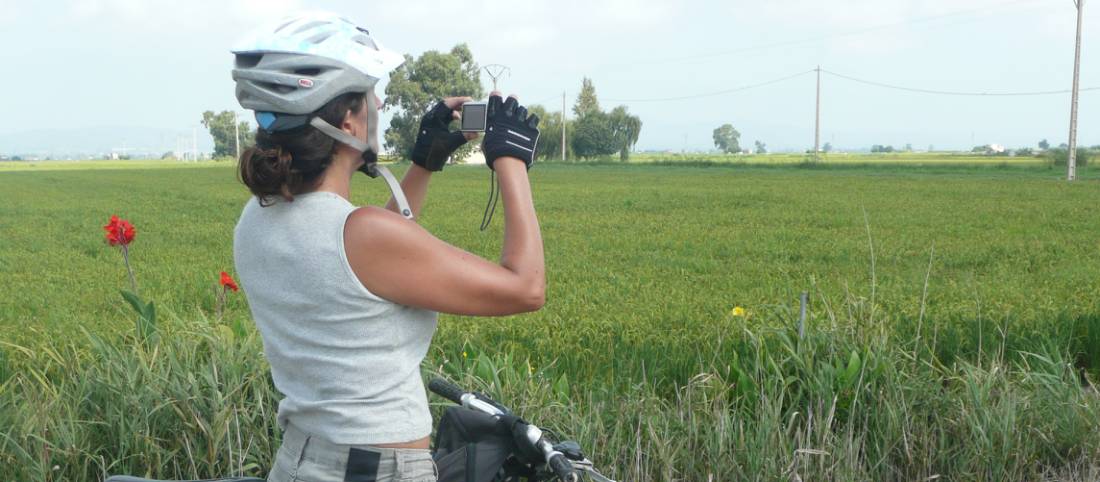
563, 126
817, 117
1071, 163
496, 71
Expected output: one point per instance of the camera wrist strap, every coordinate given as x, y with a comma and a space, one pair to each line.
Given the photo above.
491, 205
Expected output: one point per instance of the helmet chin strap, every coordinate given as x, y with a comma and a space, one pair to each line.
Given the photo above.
370, 159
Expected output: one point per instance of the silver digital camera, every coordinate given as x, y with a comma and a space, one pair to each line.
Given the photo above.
474, 116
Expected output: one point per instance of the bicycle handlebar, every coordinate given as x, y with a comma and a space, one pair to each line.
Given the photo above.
446, 390
554, 459
562, 468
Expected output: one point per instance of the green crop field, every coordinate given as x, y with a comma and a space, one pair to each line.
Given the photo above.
904, 159
953, 327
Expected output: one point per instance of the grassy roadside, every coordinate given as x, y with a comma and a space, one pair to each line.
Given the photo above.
953, 331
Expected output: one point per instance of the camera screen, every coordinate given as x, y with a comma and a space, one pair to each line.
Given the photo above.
473, 117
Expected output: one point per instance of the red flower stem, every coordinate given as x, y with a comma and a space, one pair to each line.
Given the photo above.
126, 258
221, 302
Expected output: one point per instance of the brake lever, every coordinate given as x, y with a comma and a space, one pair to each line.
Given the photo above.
590, 470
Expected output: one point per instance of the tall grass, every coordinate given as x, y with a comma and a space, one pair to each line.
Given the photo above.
972, 362
848, 401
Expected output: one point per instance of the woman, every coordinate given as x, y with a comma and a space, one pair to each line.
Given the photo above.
346, 297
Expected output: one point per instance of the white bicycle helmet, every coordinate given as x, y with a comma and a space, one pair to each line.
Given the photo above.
302, 62
287, 71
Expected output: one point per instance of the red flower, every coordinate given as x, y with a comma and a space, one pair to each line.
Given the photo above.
119, 231
227, 281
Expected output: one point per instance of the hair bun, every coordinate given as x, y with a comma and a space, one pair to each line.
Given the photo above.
268, 168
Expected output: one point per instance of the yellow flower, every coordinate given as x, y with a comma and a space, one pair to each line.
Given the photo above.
738, 311
463, 354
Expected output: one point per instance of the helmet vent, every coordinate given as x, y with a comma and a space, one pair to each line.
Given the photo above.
282, 89
308, 26
321, 37
308, 72
365, 40
285, 25
247, 61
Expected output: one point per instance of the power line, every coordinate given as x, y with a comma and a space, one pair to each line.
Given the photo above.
951, 92
548, 99
849, 78
720, 92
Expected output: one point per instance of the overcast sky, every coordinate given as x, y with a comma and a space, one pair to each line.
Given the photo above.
153, 63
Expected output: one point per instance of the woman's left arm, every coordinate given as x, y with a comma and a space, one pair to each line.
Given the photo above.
415, 185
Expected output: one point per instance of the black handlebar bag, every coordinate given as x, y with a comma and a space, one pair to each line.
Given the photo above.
471, 446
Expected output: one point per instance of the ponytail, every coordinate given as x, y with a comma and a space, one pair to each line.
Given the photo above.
287, 163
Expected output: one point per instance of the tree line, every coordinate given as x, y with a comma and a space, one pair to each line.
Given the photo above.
591, 133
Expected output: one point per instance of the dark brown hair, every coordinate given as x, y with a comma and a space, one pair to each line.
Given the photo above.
291, 162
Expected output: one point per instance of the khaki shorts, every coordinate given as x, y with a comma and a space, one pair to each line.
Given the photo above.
304, 457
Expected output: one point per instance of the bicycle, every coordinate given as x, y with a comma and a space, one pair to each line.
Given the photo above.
481, 440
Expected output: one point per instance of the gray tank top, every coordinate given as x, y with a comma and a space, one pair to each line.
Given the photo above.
346, 361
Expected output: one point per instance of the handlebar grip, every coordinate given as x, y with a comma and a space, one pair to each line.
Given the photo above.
562, 468
446, 390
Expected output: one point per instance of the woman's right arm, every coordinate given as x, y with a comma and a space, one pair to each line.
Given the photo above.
400, 261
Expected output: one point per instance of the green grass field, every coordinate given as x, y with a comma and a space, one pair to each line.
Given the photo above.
903, 159
954, 320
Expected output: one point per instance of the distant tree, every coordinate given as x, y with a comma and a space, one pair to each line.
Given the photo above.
596, 133
419, 83
984, 149
878, 148
727, 139
549, 143
1044, 145
593, 137
625, 129
762, 148
586, 100
827, 148
931, 148
220, 126
1024, 152
909, 148
1060, 157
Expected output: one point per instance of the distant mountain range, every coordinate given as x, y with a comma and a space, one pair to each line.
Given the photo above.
99, 141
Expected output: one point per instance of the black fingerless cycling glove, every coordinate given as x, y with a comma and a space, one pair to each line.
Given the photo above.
434, 141
509, 131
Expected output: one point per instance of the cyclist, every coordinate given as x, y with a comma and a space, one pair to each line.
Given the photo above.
346, 297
